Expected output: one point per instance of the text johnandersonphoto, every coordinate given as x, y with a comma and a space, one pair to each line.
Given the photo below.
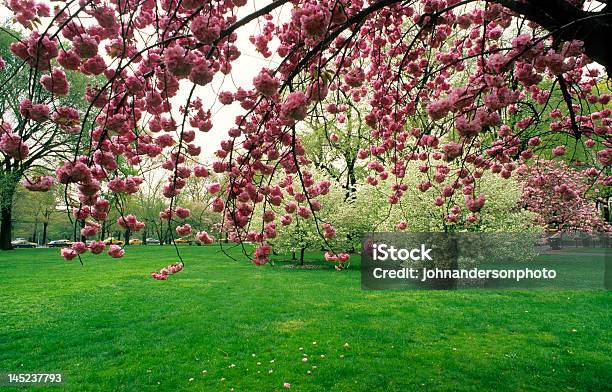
476, 260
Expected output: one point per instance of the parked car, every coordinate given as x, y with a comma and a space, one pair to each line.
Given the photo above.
182, 240
114, 241
135, 241
59, 243
23, 243
152, 241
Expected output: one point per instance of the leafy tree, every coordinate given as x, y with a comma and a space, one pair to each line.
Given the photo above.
369, 211
34, 212
45, 142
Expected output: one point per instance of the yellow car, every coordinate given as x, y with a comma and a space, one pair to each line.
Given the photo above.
114, 241
135, 241
182, 241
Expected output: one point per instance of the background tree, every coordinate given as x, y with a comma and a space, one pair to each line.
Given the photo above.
369, 211
559, 196
46, 142
35, 211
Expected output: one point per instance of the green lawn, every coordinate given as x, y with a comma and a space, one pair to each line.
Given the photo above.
223, 324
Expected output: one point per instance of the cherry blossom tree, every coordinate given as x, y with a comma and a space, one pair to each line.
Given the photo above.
559, 195
468, 82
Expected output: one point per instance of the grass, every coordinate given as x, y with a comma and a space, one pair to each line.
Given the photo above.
108, 327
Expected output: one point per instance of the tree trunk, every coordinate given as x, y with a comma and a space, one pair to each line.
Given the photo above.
8, 185
44, 236
605, 206
450, 260
126, 236
83, 238
103, 231
6, 228
302, 256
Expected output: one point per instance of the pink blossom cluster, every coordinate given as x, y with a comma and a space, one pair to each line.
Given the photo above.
39, 183
130, 222
36, 112
163, 273
11, 144
96, 247
205, 238
56, 82
37, 50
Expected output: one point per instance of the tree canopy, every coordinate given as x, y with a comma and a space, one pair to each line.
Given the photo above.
459, 87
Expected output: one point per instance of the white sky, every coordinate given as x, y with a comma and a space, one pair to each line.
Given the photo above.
244, 69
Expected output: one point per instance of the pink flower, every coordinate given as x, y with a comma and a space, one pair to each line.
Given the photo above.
226, 97
286, 220
96, 247
355, 77
158, 276
79, 247
90, 229
476, 204
36, 50
115, 251
205, 238
184, 229
12, 145
205, 29
286, 385
452, 150
85, 46
605, 157
265, 83
69, 60
343, 257
214, 187
130, 222
331, 257
200, 171
36, 112
295, 107
169, 270
317, 90
218, 205
558, 151
262, 254
534, 141
304, 212
93, 66
182, 212
328, 230
67, 118
56, 83
68, 253
38, 184
201, 73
